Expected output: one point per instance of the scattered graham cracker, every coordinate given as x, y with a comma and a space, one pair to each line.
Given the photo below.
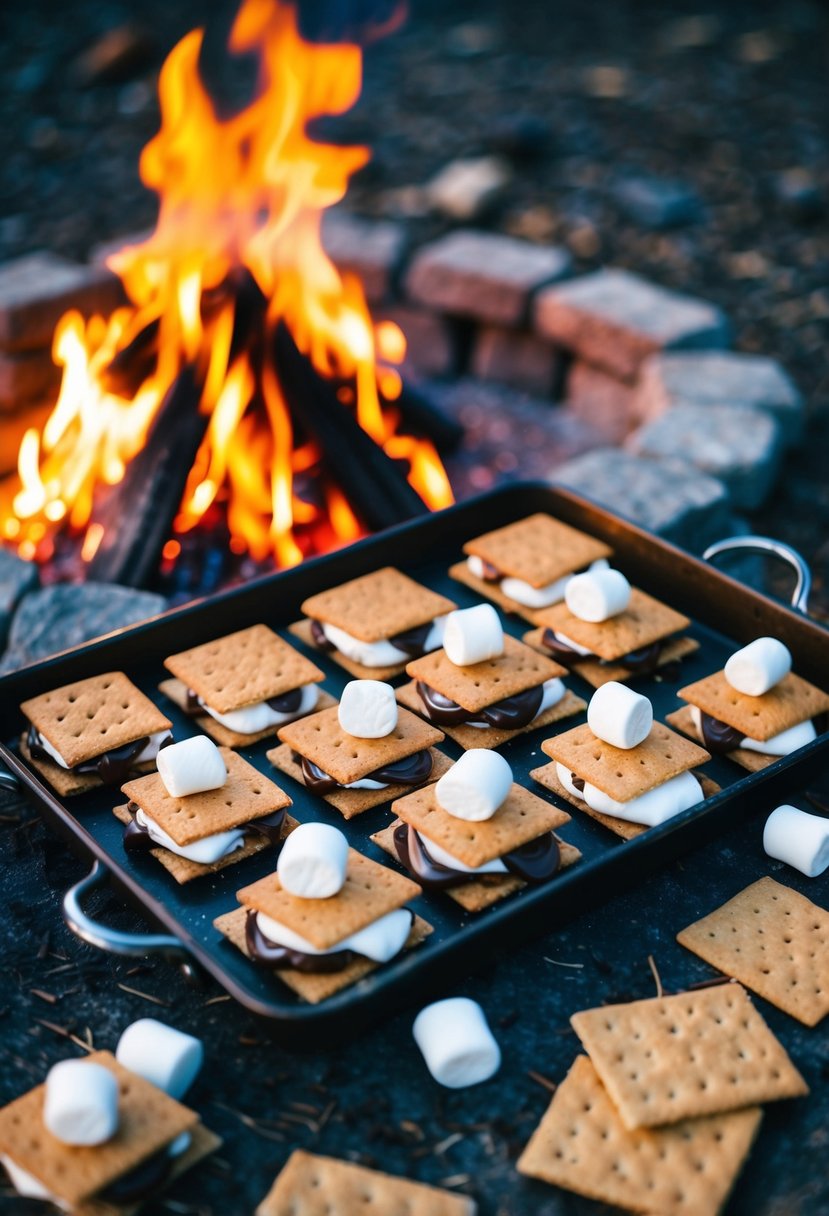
753, 761
321, 739
243, 668
63, 780
688, 1169
792, 701
538, 550
246, 794
353, 802
474, 687
624, 774
311, 1185
148, 1121
774, 941
470, 737
177, 693
678, 1057
644, 621
85, 719
376, 606
302, 630
597, 672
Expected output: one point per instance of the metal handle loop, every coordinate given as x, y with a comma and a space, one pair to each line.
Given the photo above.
9, 782
778, 549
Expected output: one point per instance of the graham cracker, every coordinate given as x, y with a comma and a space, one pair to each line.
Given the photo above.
314, 987
310, 1185
792, 701
538, 550
377, 606
65, 782
461, 573
470, 737
246, 794
644, 621
353, 802
774, 941
688, 1169
678, 1057
622, 773
184, 870
202, 1143
598, 673
753, 761
177, 693
243, 668
302, 630
370, 891
85, 719
487, 890
148, 1120
321, 739
481, 684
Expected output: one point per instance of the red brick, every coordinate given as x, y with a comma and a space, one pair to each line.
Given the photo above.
430, 341
517, 358
371, 249
26, 376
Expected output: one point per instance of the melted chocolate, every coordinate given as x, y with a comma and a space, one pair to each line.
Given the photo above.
578, 782
137, 838
718, 736
412, 770
644, 661
269, 954
140, 1182
287, 703
565, 654
534, 862
513, 713
491, 574
318, 635
411, 641
113, 767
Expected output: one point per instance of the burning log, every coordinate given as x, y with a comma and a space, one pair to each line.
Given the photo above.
420, 416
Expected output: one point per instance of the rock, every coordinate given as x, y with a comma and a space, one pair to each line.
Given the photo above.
521, 137
739, 445
714, 378
64, 615
669, 497
690, 33
601, 399
99, 253
17, 578
431, 347
469, 39
517, 358
466, 189
119, 54
483, 275
370, 249
656, 202
26, 376
606, 81
615, 319
37, 289
800, 195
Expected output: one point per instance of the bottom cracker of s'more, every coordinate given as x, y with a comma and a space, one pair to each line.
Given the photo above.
774, 941
687, 1169
341, 1188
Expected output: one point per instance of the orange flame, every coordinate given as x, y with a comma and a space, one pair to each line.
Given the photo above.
244, 192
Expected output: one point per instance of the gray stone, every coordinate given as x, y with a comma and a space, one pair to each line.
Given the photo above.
615, 319
430, 341
371, 249
516, 357
99, 253
64, 615
800, 194
739, 445
17, 578
668, 497
601, 399
483, 275
25, 376
656, 202
466, 189
714, 378
37, 289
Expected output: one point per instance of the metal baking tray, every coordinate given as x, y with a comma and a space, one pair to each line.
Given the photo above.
724, 614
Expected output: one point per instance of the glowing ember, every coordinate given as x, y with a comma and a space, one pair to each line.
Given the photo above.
241, 203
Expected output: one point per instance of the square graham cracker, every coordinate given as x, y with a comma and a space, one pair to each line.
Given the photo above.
311, 1185
370, 891
243, 668
538, 550
623, 773
688, 1169
309, 986
774, 941
148, 1120
470, 737
376, 606
63, 780
184, 870
202, 1143
353, 802
177, 693
598, 672
321, 739
85, 719
246, 794
792, 701
481, 684
644, 621
753, 762
678, 1057
302, 630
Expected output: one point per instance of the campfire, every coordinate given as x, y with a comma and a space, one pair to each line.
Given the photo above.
243, 396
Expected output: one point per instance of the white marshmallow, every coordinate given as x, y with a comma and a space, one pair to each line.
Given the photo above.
619, 716
150, 750
652, 808
473, 635
81, 1104
368, 709
166, 1057
539, 597
758, 667
597, 595
313, 861
785, 743
379, 941
456, 1042
205, 851
369, 654
799, 839
496, 866
475, 786
191, 767
252, 718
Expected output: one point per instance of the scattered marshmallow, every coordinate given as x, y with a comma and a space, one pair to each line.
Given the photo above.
758, 667
473, 635
368, 709
597, 595
456, 1042
798, 838
619, 716
81, 1105
475, 786
167, 1058
313, 861
191, 767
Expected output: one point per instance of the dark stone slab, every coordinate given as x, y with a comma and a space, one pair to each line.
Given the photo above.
37, 289
17, 578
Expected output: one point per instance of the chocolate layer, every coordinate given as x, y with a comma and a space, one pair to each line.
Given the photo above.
269, 954
644, 661
287, 703
535, 862
113, 767
140, 1182
412, 770
512, 713
137, 837
412, 641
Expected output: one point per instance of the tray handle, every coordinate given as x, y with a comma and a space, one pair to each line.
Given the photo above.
9, 782
778, 549
129, 945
